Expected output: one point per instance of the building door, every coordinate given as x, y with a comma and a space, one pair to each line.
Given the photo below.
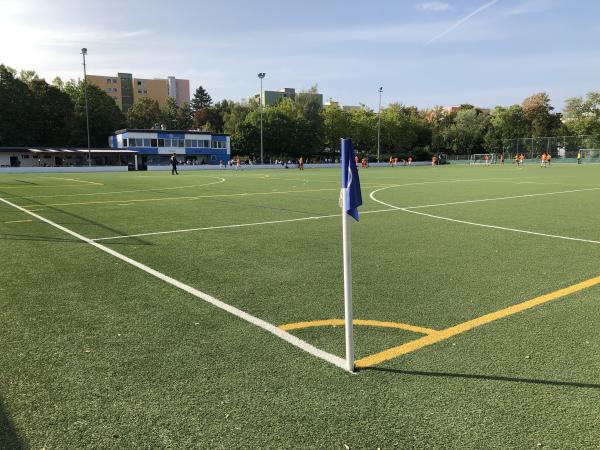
14, 161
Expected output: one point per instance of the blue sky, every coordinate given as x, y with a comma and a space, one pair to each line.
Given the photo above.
423, 53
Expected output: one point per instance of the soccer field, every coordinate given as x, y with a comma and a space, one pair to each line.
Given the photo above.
476, 307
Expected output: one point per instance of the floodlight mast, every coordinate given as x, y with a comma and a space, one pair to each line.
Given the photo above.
379, 122
87, 115
261, 75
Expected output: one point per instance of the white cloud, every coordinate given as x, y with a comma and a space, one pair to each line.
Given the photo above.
531, 7
434, 6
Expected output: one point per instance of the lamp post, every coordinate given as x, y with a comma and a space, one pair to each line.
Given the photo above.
260, 96
87, 116
379, 123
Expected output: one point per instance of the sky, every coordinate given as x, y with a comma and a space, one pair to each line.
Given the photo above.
423, 53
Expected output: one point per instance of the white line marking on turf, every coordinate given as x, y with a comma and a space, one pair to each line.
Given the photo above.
19, 221
290, 338
496, 227
77, 181
493, 198
238, 225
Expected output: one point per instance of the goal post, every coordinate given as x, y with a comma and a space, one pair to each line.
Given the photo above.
482, 159
590, 154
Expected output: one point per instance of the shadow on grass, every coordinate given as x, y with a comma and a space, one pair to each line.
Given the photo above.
469, 376
79, 218
9, 437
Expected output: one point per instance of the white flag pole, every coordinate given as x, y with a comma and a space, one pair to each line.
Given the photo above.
347, 284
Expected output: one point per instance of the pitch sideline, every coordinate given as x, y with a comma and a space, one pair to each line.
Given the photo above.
284, 335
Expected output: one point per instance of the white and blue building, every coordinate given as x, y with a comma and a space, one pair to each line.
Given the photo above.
155, 147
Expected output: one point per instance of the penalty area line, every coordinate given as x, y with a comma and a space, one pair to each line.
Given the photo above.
284, 335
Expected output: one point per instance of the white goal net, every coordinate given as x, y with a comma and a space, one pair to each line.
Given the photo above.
590, 154
482, 158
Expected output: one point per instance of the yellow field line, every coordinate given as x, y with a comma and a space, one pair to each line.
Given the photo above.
470, 324
360, 322
242, 194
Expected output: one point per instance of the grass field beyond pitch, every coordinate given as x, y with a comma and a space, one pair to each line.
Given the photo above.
98, 353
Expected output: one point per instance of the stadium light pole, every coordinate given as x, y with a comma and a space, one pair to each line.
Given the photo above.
87, 115
379, 122
260, 95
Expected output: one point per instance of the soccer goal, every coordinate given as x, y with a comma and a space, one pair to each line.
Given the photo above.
590, 154
482, 158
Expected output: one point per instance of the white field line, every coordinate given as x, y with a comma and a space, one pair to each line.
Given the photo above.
77, 181
496, 227
252, 224
493, 198
237, 225
19, 221
291, 339
221, 180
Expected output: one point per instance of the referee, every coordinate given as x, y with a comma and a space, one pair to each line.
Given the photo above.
174, 165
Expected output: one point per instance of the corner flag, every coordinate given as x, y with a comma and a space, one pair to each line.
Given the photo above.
350, 180
351, 199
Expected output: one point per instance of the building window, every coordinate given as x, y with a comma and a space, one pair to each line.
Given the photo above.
161, 142
153, 142
146, 142
195, 143
139, 91
145, 91
124, 142
139, 83
114, 81
213, 157
188, 143
167, 142
205, 144
109, 80
180, 142
24, 156
218, 144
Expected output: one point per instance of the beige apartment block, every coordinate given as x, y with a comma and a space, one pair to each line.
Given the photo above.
126, 90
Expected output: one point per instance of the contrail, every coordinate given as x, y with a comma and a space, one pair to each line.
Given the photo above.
463, 20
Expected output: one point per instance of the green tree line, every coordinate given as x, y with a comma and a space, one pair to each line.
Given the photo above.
33, 112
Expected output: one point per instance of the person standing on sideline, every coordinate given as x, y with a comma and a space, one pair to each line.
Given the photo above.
301, 163
579, 157
174, 164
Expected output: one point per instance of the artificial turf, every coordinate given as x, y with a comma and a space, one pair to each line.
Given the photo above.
96, 353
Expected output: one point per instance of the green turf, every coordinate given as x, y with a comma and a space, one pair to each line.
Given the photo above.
96, 353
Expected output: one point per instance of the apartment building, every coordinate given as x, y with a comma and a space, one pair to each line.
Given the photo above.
126, 90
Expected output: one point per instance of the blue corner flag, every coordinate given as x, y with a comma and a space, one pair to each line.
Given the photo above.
350, 180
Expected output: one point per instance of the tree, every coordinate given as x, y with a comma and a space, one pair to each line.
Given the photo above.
363, 129
27, 76
582, 116
58, 83
105, 116
538, 113
144, 114
201, 99
467, 132
55, 114
18, 110
506, 125
184, 117
336, 125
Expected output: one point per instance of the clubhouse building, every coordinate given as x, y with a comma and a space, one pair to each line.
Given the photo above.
155, 147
